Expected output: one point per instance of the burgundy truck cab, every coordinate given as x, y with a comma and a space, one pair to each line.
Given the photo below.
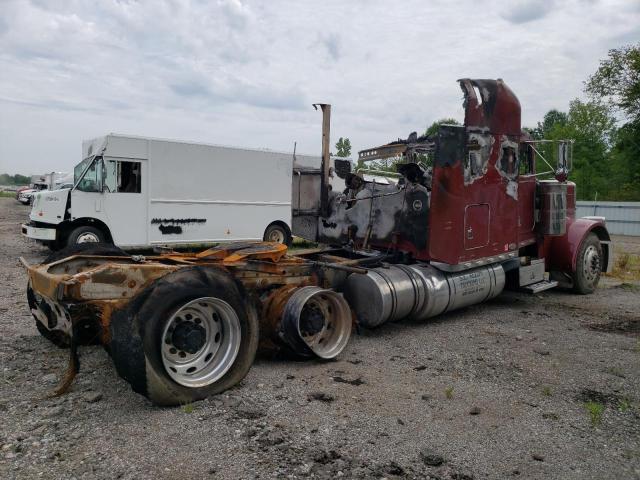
474, 195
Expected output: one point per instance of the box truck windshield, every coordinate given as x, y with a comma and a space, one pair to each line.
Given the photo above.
87, 175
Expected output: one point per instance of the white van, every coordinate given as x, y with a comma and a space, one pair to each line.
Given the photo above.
140, 192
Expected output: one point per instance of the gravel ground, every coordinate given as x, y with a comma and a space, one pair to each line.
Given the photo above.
498, 390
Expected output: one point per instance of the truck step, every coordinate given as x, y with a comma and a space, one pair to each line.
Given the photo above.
540, 286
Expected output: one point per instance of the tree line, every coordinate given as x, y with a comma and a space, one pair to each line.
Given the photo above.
606, 129
6, 179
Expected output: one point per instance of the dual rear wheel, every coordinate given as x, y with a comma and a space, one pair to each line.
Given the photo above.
188, 336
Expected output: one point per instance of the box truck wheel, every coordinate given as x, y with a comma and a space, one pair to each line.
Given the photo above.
188, 336
85, 234
277, 232
588, 265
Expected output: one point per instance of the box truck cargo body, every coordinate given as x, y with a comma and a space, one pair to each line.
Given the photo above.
139, 192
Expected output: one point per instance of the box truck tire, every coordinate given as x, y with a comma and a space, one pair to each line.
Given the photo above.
86, 234
279, 233
188, 336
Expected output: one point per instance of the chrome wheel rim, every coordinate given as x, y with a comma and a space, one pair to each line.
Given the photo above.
87, 237
276, 236
591, 263
200, 342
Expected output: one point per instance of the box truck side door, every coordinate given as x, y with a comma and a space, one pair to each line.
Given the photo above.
124, 200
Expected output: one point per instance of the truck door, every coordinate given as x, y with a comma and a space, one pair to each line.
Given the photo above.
124, 200
526, 196
86, 197
473, 212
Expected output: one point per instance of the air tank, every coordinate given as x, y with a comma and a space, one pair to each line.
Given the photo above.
418, 291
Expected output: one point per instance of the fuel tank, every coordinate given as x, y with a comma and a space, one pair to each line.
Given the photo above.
418, 291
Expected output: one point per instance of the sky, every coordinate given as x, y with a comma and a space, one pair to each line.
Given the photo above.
245, 73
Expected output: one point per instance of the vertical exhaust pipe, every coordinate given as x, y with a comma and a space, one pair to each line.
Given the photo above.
326, 164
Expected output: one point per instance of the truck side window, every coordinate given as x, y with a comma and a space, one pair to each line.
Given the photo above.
129, 178
92, 180
123, 177
526, 160
509, 162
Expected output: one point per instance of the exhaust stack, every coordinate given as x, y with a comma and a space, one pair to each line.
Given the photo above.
326, 164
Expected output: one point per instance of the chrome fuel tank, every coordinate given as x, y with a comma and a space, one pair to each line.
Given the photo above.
418, 291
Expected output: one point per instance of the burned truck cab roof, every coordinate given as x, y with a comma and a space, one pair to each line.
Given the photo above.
456, 199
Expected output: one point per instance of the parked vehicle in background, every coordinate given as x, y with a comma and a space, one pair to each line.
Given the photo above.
48, 181
140, 192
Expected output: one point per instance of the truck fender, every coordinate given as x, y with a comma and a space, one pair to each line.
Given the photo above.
563, 250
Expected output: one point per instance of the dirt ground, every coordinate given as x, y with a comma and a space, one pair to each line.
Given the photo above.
533, 387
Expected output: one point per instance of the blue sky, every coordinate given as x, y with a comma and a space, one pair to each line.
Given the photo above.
245, 73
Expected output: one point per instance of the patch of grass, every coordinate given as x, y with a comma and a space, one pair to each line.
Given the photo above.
546, 391
595, 410
448, 392
299, 242
8, 194
551, 416
627, 267
623, 261
187, 408
624, 404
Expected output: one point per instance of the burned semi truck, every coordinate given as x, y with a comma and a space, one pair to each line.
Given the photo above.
475, 209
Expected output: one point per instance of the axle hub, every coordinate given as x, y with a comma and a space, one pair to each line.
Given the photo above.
189, 337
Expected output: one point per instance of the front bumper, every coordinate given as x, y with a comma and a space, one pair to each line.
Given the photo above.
38, 233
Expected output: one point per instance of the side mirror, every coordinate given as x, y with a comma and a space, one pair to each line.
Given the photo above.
564, 157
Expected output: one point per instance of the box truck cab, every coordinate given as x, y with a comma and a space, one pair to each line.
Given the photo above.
141, 192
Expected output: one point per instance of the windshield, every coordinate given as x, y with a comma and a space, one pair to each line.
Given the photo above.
80, 168
91, 181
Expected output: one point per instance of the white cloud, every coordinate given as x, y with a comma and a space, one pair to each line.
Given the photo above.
246, 72
524, 11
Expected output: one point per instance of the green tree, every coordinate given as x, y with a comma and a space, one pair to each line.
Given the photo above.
433, 128
551, 120
21, 179
17, 179
344, 147
592, 126
617, 81
625, 163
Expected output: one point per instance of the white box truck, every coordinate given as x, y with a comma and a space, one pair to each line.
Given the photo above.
140, 192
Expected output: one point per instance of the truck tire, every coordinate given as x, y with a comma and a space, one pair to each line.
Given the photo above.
588, 265
277, 233
102, 249
85, 234
188, 336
